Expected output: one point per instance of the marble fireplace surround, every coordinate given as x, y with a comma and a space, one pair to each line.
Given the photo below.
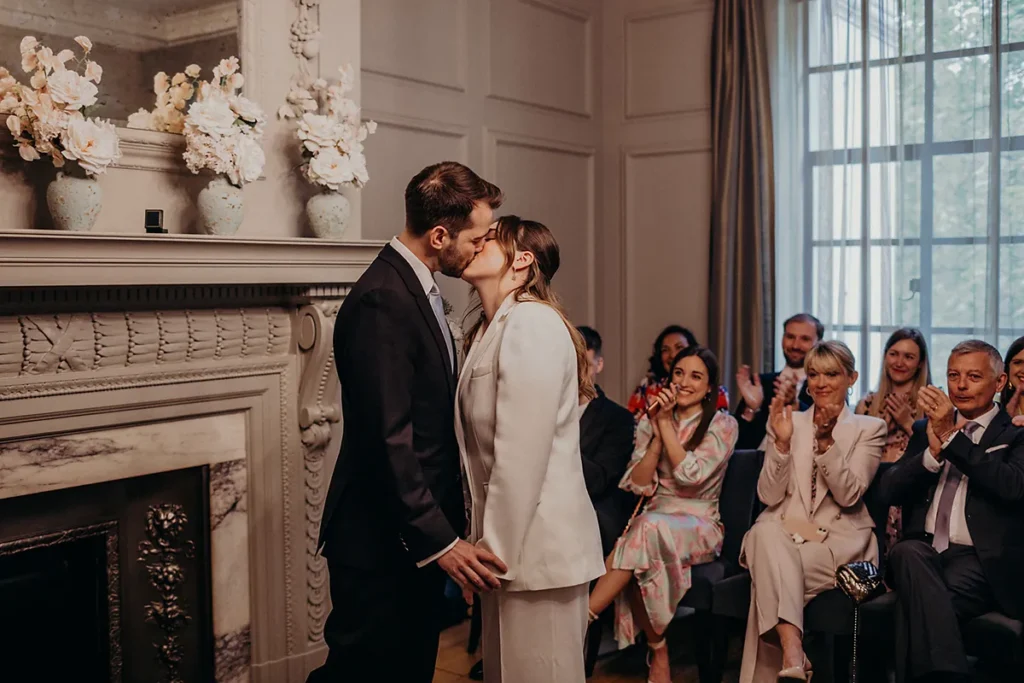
134, 375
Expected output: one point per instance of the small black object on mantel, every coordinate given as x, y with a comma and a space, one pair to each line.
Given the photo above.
155, 221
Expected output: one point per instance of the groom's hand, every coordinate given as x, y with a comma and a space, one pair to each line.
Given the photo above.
465, 564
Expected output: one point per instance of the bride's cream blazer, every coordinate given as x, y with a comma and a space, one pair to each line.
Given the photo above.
517, 422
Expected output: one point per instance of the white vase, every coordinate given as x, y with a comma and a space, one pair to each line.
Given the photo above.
74, 203
220, 207
328, 214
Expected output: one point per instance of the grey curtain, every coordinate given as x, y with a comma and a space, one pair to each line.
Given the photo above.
742, 302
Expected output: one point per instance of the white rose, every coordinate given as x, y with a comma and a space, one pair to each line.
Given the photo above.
193, 71
212, 116
226, 67
84, 42
93, 71
246, 109
236, 81
318, 131
250, 159
160, 83
330, 168
73, 91
141, 120
92, 143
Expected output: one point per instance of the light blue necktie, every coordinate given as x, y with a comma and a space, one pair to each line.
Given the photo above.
438, 306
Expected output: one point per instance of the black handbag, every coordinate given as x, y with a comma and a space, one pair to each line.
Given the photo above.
861, 581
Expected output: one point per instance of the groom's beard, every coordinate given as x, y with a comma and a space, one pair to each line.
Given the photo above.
451, 263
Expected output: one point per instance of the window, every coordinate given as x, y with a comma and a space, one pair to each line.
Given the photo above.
911, 144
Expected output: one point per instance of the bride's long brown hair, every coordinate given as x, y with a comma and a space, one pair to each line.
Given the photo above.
516, 234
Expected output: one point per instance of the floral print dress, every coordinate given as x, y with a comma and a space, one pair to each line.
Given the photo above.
679, 527
896, 442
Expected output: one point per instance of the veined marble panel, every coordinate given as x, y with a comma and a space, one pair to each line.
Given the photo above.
51, 463
229, 558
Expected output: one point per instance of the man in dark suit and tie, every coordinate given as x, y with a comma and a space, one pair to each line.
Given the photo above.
800, 333
606, 444
961, 486
394, 510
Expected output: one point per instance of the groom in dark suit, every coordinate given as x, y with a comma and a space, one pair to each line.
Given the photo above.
961, 486
394, 510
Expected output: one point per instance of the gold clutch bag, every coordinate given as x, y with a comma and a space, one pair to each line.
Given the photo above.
860, 581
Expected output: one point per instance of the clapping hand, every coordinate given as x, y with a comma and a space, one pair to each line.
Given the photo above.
780, 419
1013, 405
825, 418
939, 410
750, 388
897, 410
786, 388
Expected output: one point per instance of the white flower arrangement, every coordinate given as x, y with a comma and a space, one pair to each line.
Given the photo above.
46, 117
330, 131
222, 128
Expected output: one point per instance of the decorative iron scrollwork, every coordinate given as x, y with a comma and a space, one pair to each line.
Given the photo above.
162, 553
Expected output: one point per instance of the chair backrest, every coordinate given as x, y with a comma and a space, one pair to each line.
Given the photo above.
878, 508
738, 502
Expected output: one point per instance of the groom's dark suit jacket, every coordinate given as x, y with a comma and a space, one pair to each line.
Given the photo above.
396, 489
995, 500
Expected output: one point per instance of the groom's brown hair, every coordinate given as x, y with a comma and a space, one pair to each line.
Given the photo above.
445, 194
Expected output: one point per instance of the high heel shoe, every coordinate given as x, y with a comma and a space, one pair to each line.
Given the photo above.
797, 673
651, 647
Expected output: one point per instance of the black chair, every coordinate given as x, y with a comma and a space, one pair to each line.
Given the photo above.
829, 616
737, 506
996, 640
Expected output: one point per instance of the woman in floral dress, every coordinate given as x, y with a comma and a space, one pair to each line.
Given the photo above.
679, 462
904, 373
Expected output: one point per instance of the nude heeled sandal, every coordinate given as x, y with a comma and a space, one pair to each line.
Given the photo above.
797, 673
651, 647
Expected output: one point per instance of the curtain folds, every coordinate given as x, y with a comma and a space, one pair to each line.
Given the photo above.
742, 301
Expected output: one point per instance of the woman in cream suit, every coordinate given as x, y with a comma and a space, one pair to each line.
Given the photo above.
817, 466
517, 423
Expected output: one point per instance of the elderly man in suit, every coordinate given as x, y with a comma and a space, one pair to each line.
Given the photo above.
961, 485
800, 333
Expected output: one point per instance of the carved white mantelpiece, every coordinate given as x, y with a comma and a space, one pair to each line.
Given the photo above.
37, 258
91, 375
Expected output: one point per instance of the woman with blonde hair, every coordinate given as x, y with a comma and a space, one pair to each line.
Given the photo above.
905, 372
517, 423
817, 466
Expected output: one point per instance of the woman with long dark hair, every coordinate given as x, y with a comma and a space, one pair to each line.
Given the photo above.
667, 345
517, 424
1012, 398
679, 461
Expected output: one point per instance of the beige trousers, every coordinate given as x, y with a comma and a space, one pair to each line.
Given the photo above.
784, 577
535, 636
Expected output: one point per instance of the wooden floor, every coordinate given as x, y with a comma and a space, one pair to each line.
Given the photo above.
453, 662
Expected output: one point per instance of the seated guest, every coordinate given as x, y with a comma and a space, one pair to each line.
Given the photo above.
800, 333
679, 462
817, 466
1012, 397
667, 346
961, 485
606, 442
904, 373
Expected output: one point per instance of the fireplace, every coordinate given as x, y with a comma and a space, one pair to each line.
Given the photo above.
109, 582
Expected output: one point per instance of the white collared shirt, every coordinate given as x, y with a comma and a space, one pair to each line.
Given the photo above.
430, 287
958, 531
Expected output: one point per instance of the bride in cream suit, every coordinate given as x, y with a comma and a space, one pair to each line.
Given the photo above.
517, 423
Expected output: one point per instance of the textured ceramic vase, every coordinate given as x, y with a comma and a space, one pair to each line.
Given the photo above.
328, 214
220, 207
74, 203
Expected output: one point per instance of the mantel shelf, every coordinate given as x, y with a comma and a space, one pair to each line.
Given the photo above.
59, 259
